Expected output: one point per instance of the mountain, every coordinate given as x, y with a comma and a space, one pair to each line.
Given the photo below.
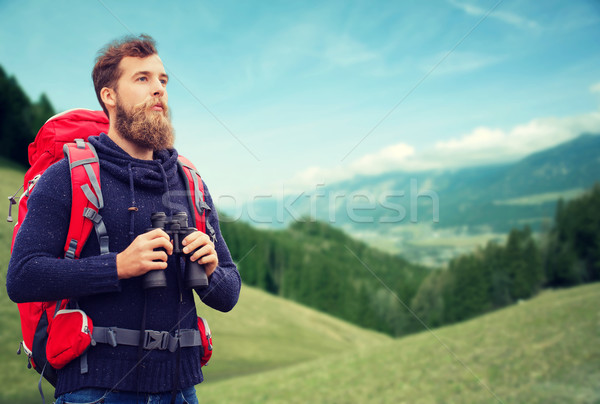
524, 192
574, 164
431, 216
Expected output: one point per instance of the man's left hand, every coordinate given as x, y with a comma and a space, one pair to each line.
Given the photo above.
204, 250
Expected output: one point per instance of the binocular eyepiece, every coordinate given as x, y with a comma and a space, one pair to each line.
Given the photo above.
177, 228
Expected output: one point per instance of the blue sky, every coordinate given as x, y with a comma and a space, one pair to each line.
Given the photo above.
276, 96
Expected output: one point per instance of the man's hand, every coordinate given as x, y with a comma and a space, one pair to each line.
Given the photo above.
140, 257
204, 248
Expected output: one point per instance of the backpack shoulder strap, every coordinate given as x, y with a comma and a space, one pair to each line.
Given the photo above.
195, 188
86, 198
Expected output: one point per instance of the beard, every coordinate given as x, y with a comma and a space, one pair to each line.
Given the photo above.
144, 127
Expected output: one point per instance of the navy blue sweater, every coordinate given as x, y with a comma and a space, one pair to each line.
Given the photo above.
35, 274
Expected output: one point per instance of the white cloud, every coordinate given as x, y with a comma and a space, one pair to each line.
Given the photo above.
498, 13
483, 145
387, 159
488, 145
595, 88
461, 62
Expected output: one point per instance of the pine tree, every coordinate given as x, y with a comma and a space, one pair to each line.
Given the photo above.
19, 119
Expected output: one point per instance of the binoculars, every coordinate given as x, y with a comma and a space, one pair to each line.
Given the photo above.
177, 228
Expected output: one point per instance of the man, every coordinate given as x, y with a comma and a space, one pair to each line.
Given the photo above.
139, 176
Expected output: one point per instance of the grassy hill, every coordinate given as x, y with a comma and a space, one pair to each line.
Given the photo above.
546, 350
264, 332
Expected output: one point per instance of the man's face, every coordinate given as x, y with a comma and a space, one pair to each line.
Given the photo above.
141, 103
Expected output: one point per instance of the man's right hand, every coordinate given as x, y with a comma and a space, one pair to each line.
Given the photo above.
141, 257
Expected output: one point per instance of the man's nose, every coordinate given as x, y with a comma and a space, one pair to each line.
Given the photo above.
158, 89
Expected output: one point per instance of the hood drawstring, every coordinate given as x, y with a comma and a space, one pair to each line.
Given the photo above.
166, 195
133, 208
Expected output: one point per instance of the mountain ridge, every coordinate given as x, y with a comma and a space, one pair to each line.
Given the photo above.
396, 211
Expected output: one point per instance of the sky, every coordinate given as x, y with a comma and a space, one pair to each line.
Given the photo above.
270, 97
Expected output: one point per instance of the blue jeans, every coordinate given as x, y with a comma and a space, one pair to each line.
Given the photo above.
97, 396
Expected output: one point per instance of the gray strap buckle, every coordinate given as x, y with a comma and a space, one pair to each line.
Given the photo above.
70, 254
156, 340
112, 337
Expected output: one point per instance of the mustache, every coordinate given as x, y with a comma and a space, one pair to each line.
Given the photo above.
150, 102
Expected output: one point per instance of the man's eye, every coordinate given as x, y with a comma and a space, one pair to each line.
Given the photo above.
142, 78
164, 82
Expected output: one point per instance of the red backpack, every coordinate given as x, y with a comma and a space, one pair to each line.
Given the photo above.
66, 134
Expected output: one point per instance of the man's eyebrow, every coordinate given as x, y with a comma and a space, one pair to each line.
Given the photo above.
147, 73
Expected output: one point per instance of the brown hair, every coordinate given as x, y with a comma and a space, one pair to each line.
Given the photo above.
106, 71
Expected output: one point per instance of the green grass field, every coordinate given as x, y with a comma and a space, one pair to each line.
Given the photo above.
546, 350
264, 333
546, 197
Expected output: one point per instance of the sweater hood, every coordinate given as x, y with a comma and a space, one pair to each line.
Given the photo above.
152, 174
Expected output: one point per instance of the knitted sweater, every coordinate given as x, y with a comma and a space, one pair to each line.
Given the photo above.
35, 274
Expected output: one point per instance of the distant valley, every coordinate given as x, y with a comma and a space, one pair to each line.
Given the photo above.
431, 216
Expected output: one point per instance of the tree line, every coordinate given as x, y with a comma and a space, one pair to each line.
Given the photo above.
20, 118
319, 266
573, 246
499, 275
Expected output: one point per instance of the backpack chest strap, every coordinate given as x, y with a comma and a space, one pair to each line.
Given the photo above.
151, 339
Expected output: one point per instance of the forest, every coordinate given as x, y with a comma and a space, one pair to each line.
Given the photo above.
20, 118
499, 275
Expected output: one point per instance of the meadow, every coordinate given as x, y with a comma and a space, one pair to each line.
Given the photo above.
545, 350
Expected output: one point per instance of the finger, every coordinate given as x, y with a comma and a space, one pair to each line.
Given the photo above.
192, 236
210, 264
158, 256
209, 259
157, 238
198, 243
156, 265
205, 251
195, 237
161, 242
155, 233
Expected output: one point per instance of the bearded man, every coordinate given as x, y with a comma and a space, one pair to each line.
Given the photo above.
139, 176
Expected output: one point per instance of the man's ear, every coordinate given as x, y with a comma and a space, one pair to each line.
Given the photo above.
109, 97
